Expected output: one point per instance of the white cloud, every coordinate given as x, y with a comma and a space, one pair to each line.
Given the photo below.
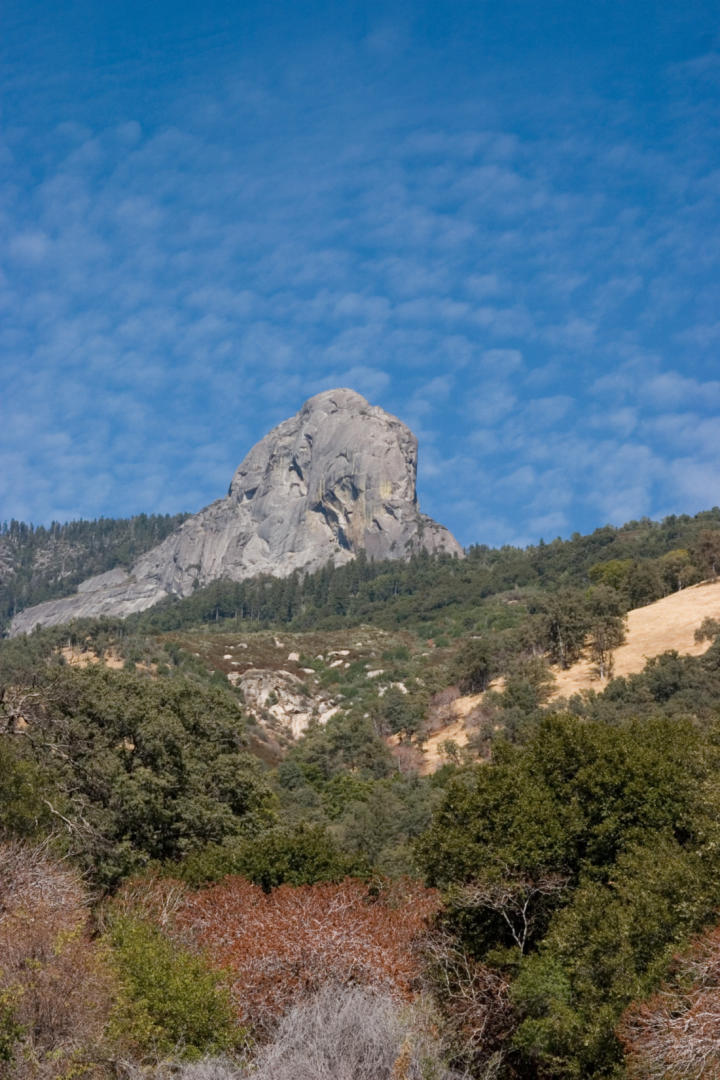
502, 362
546, 412
548, 525
621, 421
675, 390
705, 335
31, 247
695, 483
490, 404
531, 299
369, 381
481, 286
575, 334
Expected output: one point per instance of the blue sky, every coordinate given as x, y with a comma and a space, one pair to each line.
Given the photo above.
498, 221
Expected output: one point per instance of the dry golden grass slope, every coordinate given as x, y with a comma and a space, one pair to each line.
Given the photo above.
667, 624
434, 753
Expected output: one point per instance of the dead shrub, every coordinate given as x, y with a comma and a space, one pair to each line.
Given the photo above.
351, 1033
355, 1033
675, 1034
53, 982
474, 1001
283, 946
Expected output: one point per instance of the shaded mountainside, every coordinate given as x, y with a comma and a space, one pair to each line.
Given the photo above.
434, 593
439, 594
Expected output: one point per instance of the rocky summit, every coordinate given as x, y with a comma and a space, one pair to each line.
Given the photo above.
336, 479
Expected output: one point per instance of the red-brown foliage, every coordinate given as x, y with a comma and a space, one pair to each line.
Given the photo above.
283, 945
676, 1033
50, 972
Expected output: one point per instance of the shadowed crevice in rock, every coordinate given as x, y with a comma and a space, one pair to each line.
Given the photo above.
335, 479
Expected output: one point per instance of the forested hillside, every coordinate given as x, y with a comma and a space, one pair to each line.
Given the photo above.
642, 561
39, 563
184, 881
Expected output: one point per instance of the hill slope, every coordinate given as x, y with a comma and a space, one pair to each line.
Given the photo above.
667, 624
39, 564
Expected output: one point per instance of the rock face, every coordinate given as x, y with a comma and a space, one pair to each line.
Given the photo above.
279, 700
336, 479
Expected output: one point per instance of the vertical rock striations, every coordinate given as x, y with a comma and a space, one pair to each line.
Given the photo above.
336, 479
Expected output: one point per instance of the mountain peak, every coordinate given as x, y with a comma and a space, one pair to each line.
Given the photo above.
333, 480
339, 398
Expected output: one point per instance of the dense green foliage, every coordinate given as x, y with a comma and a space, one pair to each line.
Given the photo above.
577, 862
342, 776
10, 1029
171, 1001
143, 769
24, 790
294, 855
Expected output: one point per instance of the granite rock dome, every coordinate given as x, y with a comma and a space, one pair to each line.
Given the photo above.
335, 479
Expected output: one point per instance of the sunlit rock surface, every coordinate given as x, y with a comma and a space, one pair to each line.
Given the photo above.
336, 479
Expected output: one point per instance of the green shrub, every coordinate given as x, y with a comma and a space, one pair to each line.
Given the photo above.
398, 652
592, 852
170, 1002
474, 666
154, 768
10, 1030
294, 855
23, 785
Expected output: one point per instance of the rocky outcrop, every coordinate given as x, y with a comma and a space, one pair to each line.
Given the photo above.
279, 700
336, 479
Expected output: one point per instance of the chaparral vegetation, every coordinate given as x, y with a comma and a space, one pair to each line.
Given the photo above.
190, 888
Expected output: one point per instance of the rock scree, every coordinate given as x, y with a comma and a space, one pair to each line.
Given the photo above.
333, 480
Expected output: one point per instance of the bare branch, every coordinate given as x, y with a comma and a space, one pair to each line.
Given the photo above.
515, 898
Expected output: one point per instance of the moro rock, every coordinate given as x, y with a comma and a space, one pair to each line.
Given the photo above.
336, 479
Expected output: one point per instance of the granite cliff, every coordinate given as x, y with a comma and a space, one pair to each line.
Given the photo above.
333, 480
